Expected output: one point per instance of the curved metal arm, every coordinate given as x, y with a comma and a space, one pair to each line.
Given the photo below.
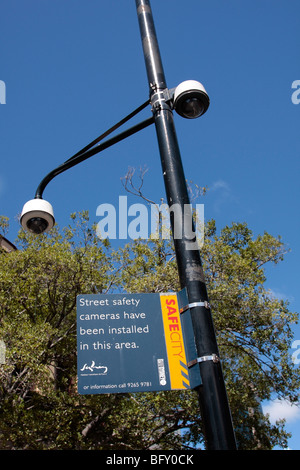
113, 128
80, 157
90, 149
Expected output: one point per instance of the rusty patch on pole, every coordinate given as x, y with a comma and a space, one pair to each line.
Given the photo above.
194, 272
143, 9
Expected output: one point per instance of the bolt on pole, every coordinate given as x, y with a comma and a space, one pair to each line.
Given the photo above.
215, 411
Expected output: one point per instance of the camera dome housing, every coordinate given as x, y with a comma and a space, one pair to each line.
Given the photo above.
37, 216
190, 99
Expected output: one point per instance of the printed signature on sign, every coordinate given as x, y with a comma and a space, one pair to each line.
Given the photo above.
102, 370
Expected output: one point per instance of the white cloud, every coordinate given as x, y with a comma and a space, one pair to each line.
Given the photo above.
277, 294
220, 184
222, 194
281, 410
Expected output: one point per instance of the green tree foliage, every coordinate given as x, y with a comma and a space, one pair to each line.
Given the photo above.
39, 405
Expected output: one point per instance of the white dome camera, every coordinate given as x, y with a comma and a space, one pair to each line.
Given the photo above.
190, 99
37, 216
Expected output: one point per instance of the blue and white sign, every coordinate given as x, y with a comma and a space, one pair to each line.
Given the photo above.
132, 343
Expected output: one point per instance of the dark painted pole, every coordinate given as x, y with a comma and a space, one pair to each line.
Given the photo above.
213, 401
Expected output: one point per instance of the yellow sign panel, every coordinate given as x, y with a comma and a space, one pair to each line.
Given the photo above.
179, 376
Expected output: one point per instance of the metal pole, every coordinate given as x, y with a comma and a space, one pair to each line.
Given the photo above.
212, 395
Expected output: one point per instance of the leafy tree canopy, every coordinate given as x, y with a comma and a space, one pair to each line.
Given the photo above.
39, 404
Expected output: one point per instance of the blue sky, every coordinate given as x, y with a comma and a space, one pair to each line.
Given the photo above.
72, 69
